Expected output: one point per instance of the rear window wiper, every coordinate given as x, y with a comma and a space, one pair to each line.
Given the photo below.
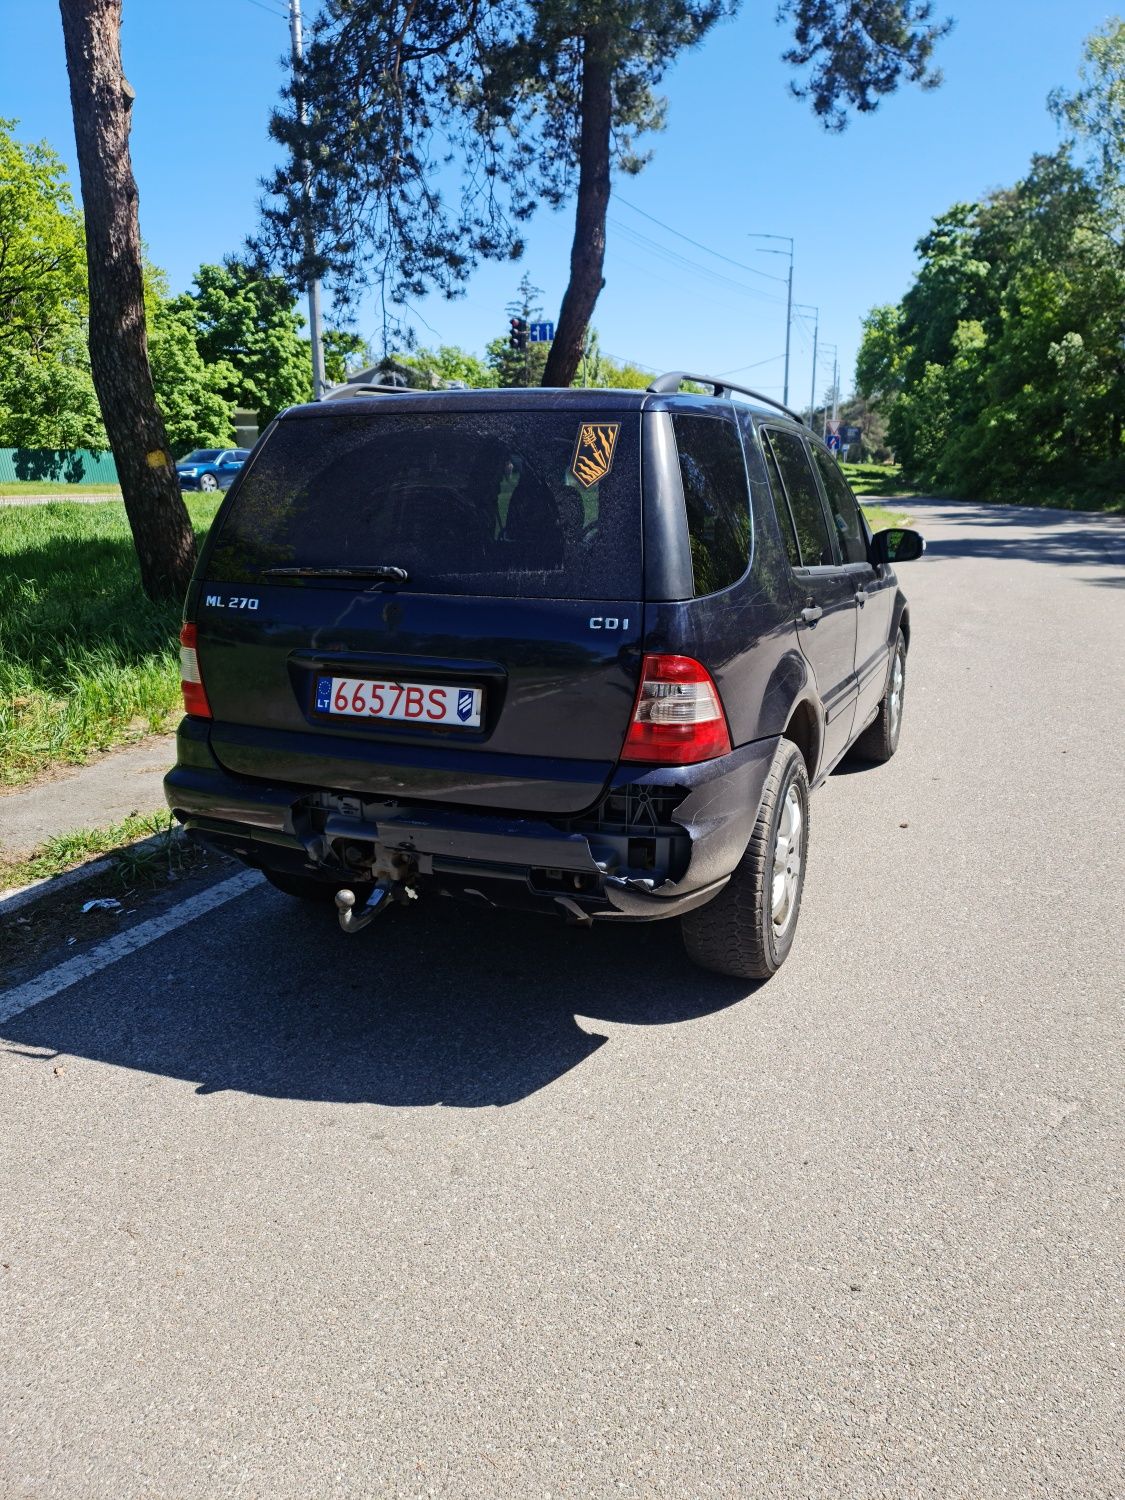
359, 570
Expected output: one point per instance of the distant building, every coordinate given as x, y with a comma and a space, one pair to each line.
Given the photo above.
387, 372
245, 427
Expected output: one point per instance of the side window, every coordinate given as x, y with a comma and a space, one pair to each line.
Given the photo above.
781, 505
845, 511
801, 490
717, 498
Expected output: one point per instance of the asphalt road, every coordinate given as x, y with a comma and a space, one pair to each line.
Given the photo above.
465, 1207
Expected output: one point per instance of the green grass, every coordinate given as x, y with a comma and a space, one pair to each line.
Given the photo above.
876, 479
879, 517
70, 849
58, 487
86, 661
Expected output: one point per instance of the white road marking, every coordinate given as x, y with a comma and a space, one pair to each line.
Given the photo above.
43, 986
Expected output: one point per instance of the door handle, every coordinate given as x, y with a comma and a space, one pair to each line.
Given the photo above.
811, 613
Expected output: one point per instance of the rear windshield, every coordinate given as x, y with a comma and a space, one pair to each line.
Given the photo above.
505, 503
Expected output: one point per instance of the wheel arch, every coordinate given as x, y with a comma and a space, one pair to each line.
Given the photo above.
903, 620
804, 729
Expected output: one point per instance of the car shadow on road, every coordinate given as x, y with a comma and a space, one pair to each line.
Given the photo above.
1071, 538
434, 1006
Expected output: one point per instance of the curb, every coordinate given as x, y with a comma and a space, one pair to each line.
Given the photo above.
23, 895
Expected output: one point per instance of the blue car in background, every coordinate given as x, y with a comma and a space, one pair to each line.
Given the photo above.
211, 468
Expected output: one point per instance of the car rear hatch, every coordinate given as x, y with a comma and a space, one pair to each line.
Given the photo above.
474, 571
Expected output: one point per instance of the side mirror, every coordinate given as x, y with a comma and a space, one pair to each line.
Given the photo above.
897, 544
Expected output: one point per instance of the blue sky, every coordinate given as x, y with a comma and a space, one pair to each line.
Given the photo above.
739, 155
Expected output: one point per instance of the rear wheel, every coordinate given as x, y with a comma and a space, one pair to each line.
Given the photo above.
879, 740
310, 888
748, 929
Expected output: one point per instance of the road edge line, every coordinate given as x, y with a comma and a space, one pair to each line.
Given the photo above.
21, 895
50, 983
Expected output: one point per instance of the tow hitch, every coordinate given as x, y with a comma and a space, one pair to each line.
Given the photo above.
391, 887
385, 895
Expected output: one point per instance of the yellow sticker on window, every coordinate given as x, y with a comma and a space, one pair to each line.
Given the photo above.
593, 453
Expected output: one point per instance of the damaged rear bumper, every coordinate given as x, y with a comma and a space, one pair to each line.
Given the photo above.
658, 843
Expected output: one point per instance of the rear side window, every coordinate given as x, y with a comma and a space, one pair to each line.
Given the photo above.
717, 498
803, 495
780, 505
532, 504
842, 505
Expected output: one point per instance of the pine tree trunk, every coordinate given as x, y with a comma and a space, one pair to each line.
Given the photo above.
587, 254
102, 101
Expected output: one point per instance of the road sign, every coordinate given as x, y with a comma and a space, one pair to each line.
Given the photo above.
542, 333
833, 427
833, 441
851, 434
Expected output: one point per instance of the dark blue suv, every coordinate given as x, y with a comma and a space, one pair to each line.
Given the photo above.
569, 651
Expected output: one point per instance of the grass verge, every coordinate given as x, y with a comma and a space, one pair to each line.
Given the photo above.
135, 868
877, 480
58, 487
879, 517
87, 662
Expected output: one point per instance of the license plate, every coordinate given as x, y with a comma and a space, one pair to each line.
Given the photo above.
408, 702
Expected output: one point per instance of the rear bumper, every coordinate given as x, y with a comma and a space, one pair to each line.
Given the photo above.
593, 866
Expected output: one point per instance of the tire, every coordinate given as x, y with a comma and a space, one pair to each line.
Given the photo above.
736, 933
879, 740
208, 482
310, 888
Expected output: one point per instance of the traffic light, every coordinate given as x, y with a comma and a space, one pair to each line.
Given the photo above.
520, 331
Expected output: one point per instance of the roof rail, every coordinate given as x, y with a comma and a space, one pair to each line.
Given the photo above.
362, 390
668, 385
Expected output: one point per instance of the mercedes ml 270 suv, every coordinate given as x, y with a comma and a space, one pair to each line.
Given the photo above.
568, 651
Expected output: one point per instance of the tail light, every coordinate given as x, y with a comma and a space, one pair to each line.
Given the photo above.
191, 682
678, 718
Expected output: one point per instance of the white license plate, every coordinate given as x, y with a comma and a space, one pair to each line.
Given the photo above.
410, 702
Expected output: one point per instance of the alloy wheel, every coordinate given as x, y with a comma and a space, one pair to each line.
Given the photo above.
895, 706
787, 863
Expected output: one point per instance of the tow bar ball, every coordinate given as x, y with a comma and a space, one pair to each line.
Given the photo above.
384, 894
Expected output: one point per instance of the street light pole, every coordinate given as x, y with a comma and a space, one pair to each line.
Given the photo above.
789, 296
316, 338
835, 359
836, 386
805, 307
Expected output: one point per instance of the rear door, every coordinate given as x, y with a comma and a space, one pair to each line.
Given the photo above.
824, 594
874, 588
517, 614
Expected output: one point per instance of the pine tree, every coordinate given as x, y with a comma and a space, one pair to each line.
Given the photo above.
535, 101
102, 102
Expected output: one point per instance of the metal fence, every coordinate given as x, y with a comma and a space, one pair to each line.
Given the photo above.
57, 466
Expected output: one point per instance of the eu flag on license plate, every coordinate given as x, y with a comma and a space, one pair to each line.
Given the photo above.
323, 694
